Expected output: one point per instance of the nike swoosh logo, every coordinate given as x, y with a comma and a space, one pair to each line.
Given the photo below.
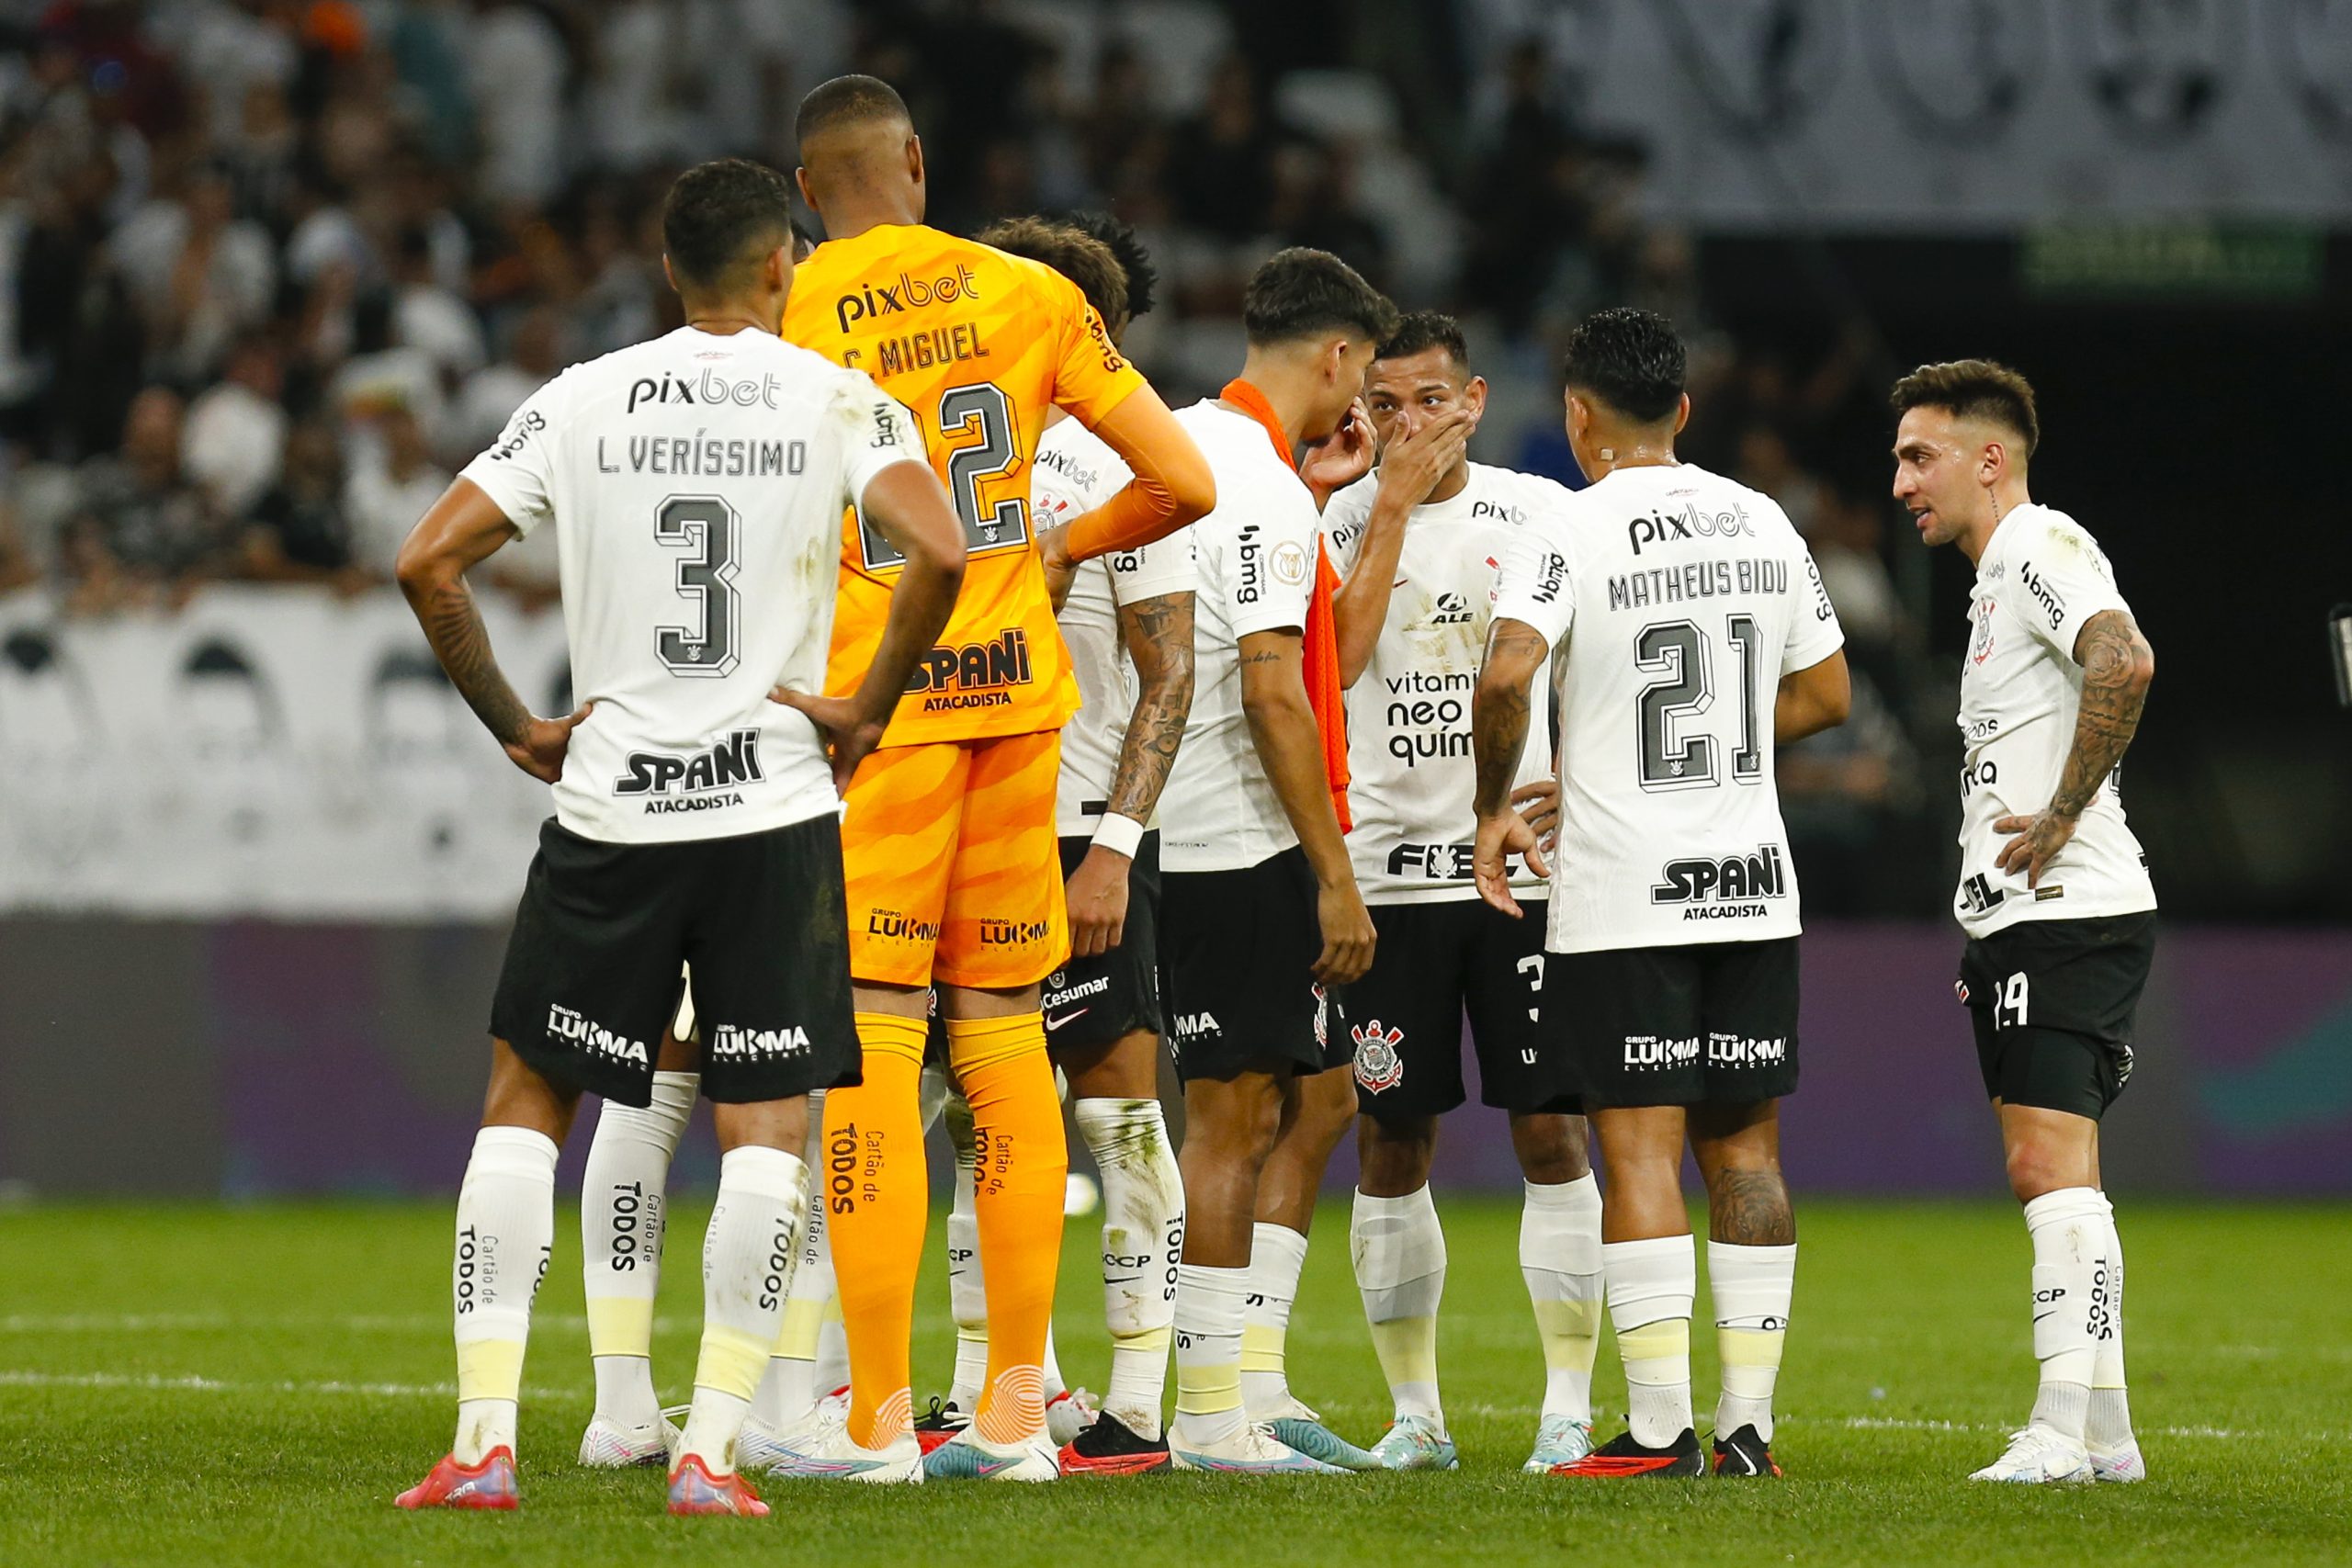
2039, 1316
1400, 582
991, 1463
1121, 1278
1053, 1022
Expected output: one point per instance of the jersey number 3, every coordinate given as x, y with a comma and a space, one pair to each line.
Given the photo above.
703, 527
982, 408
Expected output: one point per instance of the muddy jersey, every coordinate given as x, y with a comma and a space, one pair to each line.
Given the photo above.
1673, 600
696, 484
2042, 579
1411, 776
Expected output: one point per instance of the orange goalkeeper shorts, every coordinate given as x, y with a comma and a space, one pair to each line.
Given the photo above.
953, 865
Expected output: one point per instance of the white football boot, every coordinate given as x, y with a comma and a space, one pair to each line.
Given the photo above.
609, 1445
1253, 1449
2040, 1456
2124, 1464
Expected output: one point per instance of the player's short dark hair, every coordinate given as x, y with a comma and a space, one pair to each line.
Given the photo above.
1972, 389
1302, 293
1418, 331
1070, 250
1134, 260
721, 214
847, 100
1629, 359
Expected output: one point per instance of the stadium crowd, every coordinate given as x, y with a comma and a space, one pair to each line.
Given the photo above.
272, 270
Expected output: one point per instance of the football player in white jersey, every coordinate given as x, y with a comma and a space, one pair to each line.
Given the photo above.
1688, 633
2054, 892
1419, 545
1128, 620
697, 481
1262, 925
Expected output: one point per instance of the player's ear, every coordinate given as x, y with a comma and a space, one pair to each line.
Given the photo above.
914, 157
669, 276
808, 191
1474, 398
1681, 414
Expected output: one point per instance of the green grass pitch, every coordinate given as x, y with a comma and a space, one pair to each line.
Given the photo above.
190, 1385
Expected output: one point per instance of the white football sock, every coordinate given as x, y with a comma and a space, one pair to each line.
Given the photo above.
1559, 1257
1277, 1253
748, 1257
623, 1209
967, 1291
1398, 1249
2108, 1427
1143, 1244
1752, 1287
1209, 1312
1651, 1283
505, 1232
2070, 1230
791, 1386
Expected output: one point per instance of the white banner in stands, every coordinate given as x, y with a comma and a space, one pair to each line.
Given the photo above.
266, 752
1944, 114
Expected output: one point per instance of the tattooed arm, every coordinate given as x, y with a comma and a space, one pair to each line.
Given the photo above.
1499, 715
2118, 665
462, 531
1158, 633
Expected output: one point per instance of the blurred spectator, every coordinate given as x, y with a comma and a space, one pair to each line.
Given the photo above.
394, 480
1221, 161
491, 394
236, 430
430, 318
1765, 463
517, 62
198, 274
140, 524
299, 533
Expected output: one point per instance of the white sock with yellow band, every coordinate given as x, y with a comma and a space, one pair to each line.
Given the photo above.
1398, 1249
1208, 1354
1752, 1287
1277, 1257
1651, 1284
748, 1257
1559, 1257
623, 1207
505, 1230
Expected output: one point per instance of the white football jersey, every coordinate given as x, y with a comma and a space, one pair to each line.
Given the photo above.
1255, 554
1077, 471
1411, 776
1673, 600
696, 484
2041, 578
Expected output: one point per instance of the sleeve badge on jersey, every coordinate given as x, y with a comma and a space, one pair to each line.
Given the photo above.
1378, 1067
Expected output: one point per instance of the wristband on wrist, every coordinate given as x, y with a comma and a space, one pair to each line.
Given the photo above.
1119, 834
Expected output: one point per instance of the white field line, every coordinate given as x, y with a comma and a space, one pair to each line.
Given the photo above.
199, 1322
191, 1383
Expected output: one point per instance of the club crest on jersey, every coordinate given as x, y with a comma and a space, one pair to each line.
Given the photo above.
1378, 1067
1322, 1017
1980, 647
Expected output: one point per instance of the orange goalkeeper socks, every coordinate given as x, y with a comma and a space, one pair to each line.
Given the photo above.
1021, 1170
877, 1199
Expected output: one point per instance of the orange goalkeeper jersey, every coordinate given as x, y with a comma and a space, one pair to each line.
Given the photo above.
978, 344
